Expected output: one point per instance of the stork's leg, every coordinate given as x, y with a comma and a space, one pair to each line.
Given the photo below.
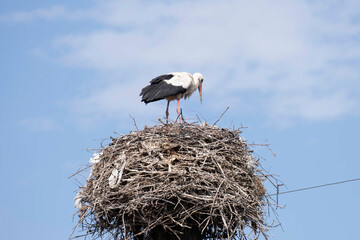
178, 110
167, 112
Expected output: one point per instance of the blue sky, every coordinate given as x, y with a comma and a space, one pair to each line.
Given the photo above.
71, 73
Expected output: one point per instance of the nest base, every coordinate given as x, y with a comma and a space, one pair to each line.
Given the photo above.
175, 181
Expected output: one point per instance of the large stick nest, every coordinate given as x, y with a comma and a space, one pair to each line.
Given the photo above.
176, 178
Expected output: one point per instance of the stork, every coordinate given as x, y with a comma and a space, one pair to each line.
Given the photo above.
172, 86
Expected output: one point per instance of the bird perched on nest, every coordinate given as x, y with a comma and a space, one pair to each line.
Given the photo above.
172, 86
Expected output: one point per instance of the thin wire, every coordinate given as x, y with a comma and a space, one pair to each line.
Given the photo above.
317, 186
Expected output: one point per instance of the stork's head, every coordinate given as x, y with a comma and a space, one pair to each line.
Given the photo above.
198, 81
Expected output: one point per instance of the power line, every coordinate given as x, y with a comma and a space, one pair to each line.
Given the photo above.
317, 186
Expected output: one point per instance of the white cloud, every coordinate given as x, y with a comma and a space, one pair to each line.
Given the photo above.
192, 33
299, 59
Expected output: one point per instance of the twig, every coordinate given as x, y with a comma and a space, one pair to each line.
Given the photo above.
198, 119
79, 171
221, 116
134, 122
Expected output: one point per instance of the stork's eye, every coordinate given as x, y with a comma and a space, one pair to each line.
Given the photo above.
201, 80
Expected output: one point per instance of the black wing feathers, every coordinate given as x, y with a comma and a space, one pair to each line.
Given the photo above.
160, 78
159, 89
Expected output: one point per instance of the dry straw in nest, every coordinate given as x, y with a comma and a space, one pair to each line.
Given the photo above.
174, 181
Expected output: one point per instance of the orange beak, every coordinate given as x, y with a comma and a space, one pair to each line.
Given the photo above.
200, 91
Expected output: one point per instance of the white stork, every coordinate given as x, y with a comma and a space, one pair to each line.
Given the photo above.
172, 86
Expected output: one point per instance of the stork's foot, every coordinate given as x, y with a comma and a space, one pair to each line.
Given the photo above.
167, 112
178, 117
178, 110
